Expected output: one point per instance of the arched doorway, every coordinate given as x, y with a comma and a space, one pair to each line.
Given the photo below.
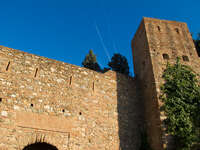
40, 146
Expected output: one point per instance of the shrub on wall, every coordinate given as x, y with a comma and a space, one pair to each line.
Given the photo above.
181, 97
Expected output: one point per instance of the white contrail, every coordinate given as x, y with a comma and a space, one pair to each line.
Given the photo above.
110, 33
113, 42
102, 42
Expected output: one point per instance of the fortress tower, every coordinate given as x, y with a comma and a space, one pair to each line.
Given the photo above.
155, 43
47, 104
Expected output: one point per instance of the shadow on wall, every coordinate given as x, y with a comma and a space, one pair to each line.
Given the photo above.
130, 113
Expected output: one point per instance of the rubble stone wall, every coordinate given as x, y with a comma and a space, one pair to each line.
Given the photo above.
159, 42
74, 108
70, 107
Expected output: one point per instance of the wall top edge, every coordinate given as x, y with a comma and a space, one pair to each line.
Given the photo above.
16, 52
162, 20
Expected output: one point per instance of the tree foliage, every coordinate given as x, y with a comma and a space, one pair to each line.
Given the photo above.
119, 64
90, 62
197, 44
181, 97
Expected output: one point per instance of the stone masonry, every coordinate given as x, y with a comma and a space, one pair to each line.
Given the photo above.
74, 108
70, 107
155, 43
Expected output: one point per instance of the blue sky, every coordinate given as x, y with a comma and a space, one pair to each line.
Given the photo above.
67, 29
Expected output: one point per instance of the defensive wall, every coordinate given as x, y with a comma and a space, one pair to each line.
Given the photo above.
74, 108
70, 107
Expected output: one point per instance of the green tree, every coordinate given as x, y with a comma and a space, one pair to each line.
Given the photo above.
181, 97
119, 64
90, 62
197, 44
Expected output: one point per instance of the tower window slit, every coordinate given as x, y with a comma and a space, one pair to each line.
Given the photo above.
177, 30
185, 58
159, 28
166, 56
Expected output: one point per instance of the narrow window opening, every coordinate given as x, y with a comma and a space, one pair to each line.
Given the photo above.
93, 86
0, 99
31, 105
8, 66
63, 110
36, 72
158, 28
80, 113
166, 56
177, 30
185, 58
89, 140
70, 81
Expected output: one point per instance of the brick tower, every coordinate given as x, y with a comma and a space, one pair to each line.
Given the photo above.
155, 43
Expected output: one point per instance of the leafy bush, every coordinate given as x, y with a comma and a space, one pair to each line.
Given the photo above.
181, 97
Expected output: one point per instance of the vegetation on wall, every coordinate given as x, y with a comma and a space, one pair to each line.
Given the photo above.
181, 97
197, 44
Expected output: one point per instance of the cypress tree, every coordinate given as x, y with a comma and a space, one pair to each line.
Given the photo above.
119, 64
90, 62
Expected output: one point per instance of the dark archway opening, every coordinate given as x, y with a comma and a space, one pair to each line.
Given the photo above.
40, 146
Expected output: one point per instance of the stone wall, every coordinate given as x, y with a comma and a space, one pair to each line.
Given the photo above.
70, 107
159, 42
146, 82
74, 108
